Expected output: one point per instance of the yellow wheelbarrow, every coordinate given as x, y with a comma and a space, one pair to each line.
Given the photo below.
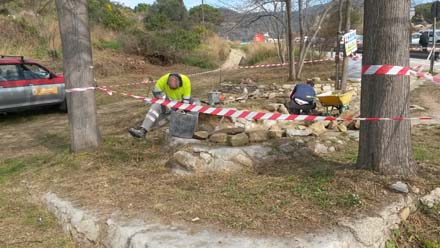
331, 101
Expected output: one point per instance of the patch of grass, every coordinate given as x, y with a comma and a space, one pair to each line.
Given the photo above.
422, 153
430, 244
10, 168
258, 53
390, 244
198, 61
114, 45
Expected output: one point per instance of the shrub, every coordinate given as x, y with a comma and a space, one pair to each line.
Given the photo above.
260, 52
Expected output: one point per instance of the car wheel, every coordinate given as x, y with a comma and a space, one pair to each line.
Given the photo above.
63, 106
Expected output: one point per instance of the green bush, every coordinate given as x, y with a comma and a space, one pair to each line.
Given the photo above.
108, 14
199, 61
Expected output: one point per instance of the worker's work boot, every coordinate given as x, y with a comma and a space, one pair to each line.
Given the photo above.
137, 133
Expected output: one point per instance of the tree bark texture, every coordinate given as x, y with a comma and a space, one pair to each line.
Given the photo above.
343, 85
385, 146
292, 72
78, 72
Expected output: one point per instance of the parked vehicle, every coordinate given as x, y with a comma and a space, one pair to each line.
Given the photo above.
431, 35
415, 38
25, 83
360, 43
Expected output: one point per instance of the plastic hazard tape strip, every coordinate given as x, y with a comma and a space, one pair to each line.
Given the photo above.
251, 115
73, 90
398, 71
280, 65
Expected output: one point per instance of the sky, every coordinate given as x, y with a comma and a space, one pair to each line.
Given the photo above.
188, 3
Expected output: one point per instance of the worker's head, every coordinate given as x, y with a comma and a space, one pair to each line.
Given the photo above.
311, 83
173, 81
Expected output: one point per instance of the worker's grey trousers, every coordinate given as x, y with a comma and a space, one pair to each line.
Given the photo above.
153, 114
156, 110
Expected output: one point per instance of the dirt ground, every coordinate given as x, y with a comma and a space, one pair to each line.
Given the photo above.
129, 176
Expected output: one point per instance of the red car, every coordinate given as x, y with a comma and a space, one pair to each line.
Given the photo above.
25, 83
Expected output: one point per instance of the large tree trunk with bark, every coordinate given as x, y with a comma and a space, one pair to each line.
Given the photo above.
385, 146
78, 72
343, 85
292, 72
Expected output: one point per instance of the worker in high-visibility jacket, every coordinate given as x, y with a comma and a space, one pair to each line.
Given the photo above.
172, 86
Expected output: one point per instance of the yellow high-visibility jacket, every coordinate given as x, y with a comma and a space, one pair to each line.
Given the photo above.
182, 93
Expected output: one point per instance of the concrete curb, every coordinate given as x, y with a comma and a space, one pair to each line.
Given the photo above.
86, 228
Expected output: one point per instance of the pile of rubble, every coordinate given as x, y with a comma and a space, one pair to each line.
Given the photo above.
242, 132
249, 89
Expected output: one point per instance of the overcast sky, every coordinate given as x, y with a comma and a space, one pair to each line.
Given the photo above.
188, 3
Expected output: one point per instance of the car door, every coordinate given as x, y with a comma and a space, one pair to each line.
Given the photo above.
46, 87
14, 91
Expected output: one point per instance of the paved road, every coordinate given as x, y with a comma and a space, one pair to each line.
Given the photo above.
354, 68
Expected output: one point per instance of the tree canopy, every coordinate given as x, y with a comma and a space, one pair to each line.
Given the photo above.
212, 15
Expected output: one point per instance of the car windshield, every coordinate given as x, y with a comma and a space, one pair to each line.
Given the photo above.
416, 36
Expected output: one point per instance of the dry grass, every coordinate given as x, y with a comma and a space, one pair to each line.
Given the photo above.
278, 197
261, 52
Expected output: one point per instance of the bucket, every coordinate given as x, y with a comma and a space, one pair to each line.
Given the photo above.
214, 97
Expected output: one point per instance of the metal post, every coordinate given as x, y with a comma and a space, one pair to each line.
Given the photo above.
337, 59
434, 41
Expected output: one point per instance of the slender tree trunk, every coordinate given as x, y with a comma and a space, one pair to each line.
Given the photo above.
338, 46
346, 58
302, 43
78, 72
292, 73
385, 146
315, 34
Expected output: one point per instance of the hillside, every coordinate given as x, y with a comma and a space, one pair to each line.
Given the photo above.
30, 28
243, 25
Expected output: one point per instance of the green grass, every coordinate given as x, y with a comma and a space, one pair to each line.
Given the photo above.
114, 45
423, 152
198, 61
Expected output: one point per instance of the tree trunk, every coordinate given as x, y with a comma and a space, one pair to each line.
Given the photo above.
302, 43
78, 72
343, 85
338, 46
385, 146
292, 75
315, 34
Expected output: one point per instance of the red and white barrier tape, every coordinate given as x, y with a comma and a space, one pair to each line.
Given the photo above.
250, 115
398, 71
280, 65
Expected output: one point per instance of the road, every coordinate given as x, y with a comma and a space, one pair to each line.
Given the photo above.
355, 66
